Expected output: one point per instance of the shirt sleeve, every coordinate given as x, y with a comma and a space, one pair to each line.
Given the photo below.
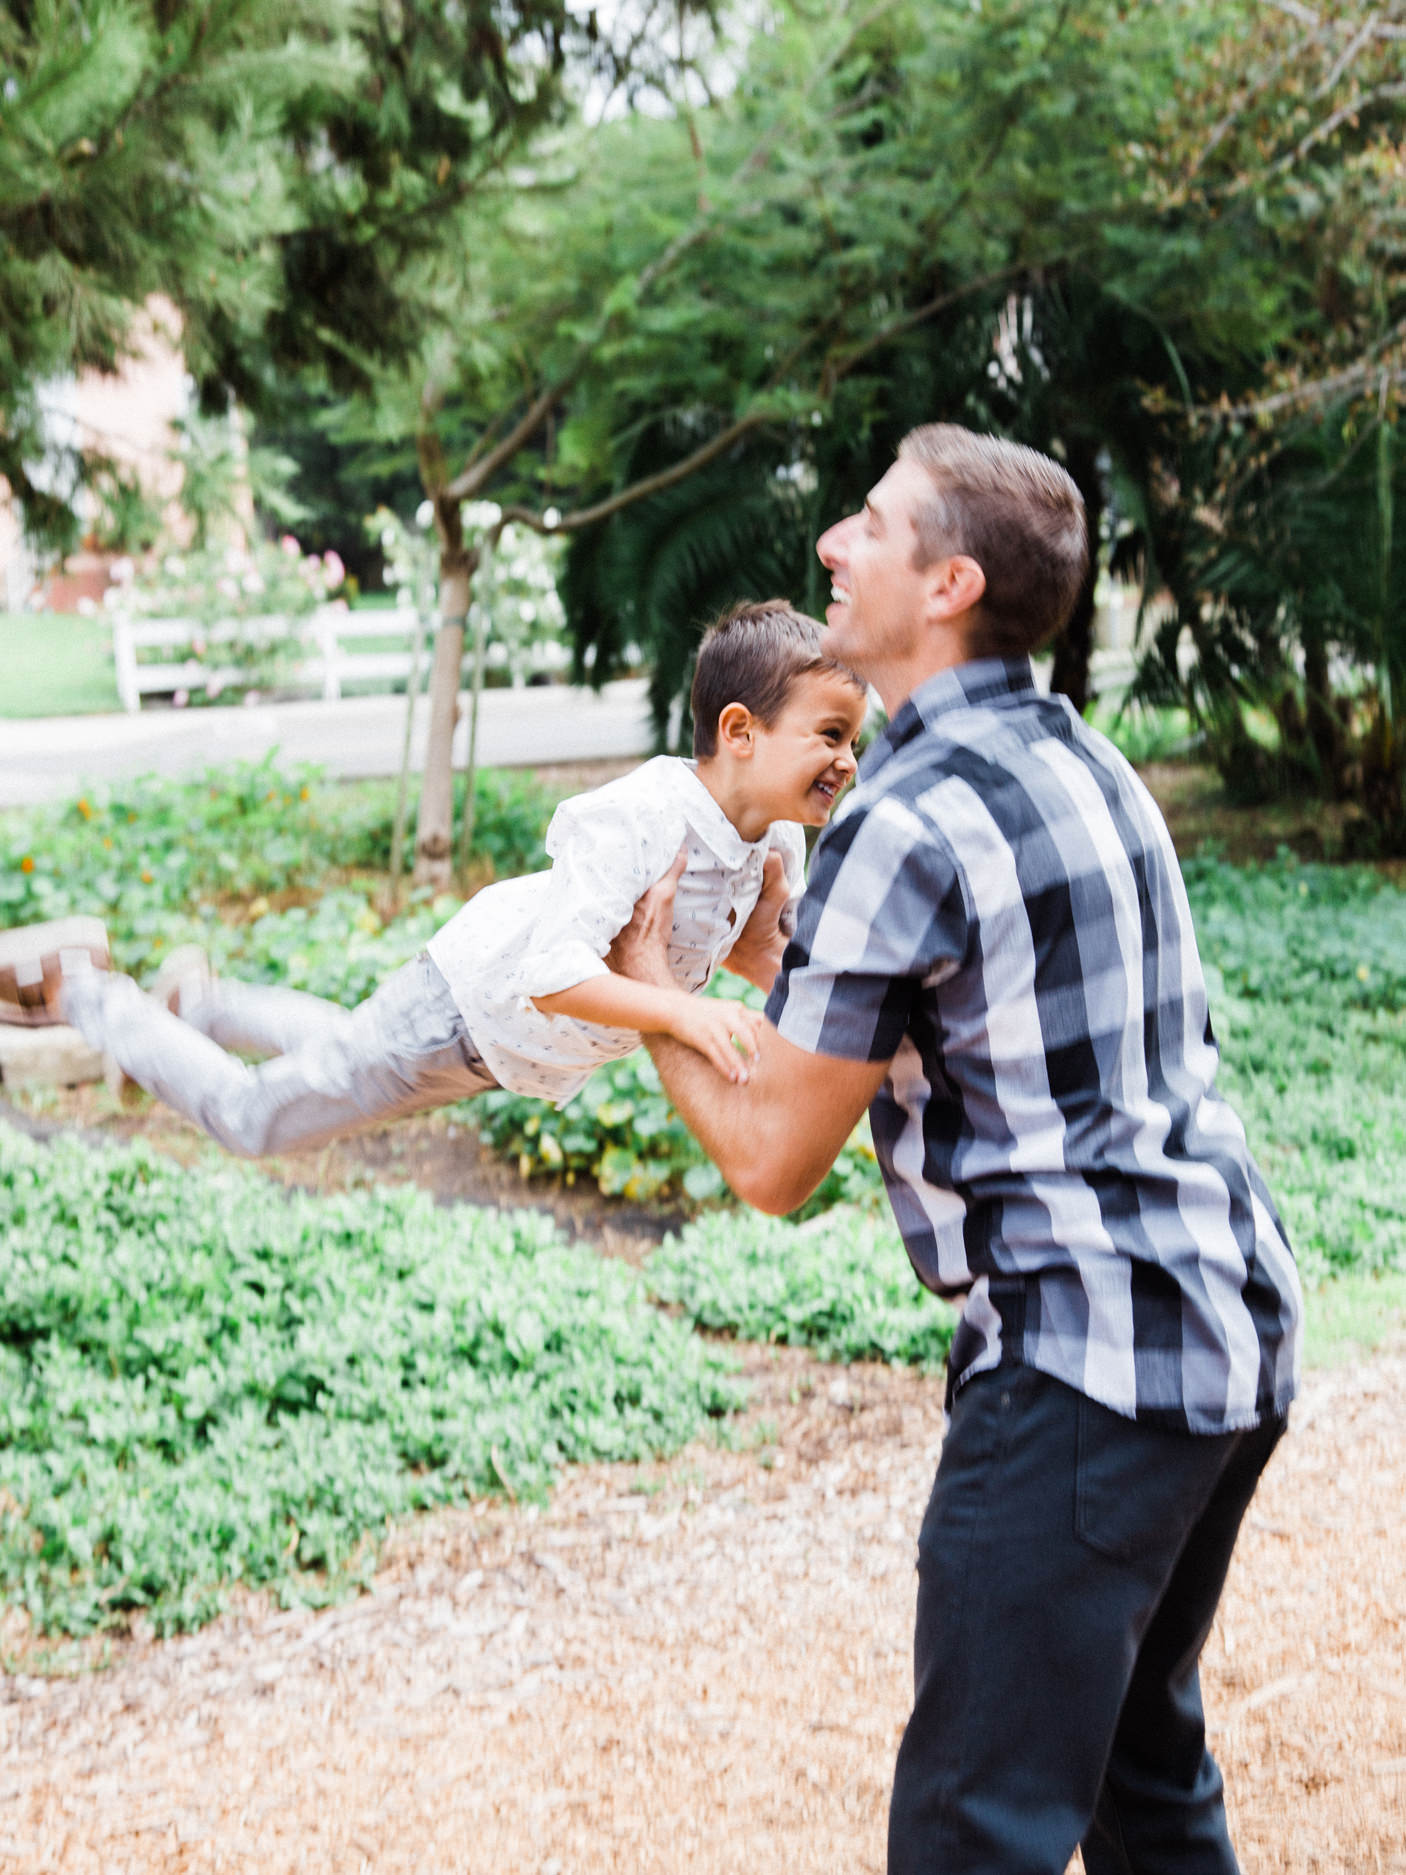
788, 839
606, 851
884, 915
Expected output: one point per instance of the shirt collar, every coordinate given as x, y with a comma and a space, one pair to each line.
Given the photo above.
992, 682
709, 821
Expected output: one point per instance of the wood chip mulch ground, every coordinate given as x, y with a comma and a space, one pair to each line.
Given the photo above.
700, 1666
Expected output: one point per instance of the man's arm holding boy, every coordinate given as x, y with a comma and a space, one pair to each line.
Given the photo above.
776, 1135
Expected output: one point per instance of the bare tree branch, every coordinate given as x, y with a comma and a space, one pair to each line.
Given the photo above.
482, 465
1353, 108
1360, 39
1366, 371
469, 481
637, 491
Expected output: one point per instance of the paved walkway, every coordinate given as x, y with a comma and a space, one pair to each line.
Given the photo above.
42, 758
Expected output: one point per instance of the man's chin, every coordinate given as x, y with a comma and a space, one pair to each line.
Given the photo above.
839, 642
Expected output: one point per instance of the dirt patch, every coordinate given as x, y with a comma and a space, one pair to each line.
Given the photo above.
1201, 816
700, 1665
440, 1152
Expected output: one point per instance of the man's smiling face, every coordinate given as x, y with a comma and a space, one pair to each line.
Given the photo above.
879, 593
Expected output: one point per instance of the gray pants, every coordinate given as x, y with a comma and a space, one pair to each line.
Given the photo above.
335, 1070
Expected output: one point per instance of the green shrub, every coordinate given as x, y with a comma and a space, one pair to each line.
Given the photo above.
622, 1132
840, 1285
338, 947
204, 1380
162, 860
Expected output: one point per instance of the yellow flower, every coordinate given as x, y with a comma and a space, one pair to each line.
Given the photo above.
27, 863
146, 877
1363, 973
84, 809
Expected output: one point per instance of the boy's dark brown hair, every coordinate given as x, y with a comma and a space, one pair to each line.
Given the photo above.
753, 655
1019, 515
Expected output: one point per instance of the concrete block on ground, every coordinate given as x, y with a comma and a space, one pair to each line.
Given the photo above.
56, 1056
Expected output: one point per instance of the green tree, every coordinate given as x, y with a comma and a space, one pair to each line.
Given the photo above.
140, 154
291, 177
725, 281
1272, 520
1140, 225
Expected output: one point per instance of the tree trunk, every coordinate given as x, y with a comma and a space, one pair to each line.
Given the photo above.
434, 835
1325, 729
1073, 649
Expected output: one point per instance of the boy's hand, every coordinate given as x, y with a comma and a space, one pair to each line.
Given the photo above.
724, 1033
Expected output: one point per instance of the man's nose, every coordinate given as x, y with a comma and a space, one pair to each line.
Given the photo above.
831, 543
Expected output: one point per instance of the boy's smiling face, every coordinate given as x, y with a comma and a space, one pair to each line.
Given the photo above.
803, 758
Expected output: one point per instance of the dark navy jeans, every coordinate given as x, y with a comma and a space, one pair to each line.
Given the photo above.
1069, 1567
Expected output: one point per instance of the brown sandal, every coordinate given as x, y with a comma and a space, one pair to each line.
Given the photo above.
34, 960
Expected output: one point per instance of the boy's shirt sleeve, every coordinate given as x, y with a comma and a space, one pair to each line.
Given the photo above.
788, 839
605, 853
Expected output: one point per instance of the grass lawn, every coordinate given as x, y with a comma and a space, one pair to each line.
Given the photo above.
1350, 1315
55, 664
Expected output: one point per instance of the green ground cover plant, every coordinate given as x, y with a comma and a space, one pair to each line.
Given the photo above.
1308, 998
206, 1380
840, 1284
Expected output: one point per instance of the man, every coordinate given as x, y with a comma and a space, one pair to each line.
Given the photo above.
995, 949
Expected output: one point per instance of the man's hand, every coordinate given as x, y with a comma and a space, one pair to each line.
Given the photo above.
776, 1136
756, 955
641, 949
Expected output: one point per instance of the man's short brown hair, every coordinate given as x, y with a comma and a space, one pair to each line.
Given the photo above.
1019, 515
754, 655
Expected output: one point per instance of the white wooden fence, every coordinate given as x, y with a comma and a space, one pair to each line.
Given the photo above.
333, 643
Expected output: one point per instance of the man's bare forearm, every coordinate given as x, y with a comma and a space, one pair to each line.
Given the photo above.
776, 1136
724, 1126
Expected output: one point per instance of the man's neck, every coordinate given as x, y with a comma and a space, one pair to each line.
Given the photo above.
896, 683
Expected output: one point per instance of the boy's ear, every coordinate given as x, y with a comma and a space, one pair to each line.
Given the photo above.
735, 725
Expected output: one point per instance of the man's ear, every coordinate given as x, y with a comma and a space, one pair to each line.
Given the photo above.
957, 586
735, 726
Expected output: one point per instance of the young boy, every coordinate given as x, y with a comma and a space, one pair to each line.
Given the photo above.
514, 990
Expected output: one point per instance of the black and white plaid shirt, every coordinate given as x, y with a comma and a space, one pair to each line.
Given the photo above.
998, 908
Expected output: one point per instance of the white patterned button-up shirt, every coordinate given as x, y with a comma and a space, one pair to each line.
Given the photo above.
550, 930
